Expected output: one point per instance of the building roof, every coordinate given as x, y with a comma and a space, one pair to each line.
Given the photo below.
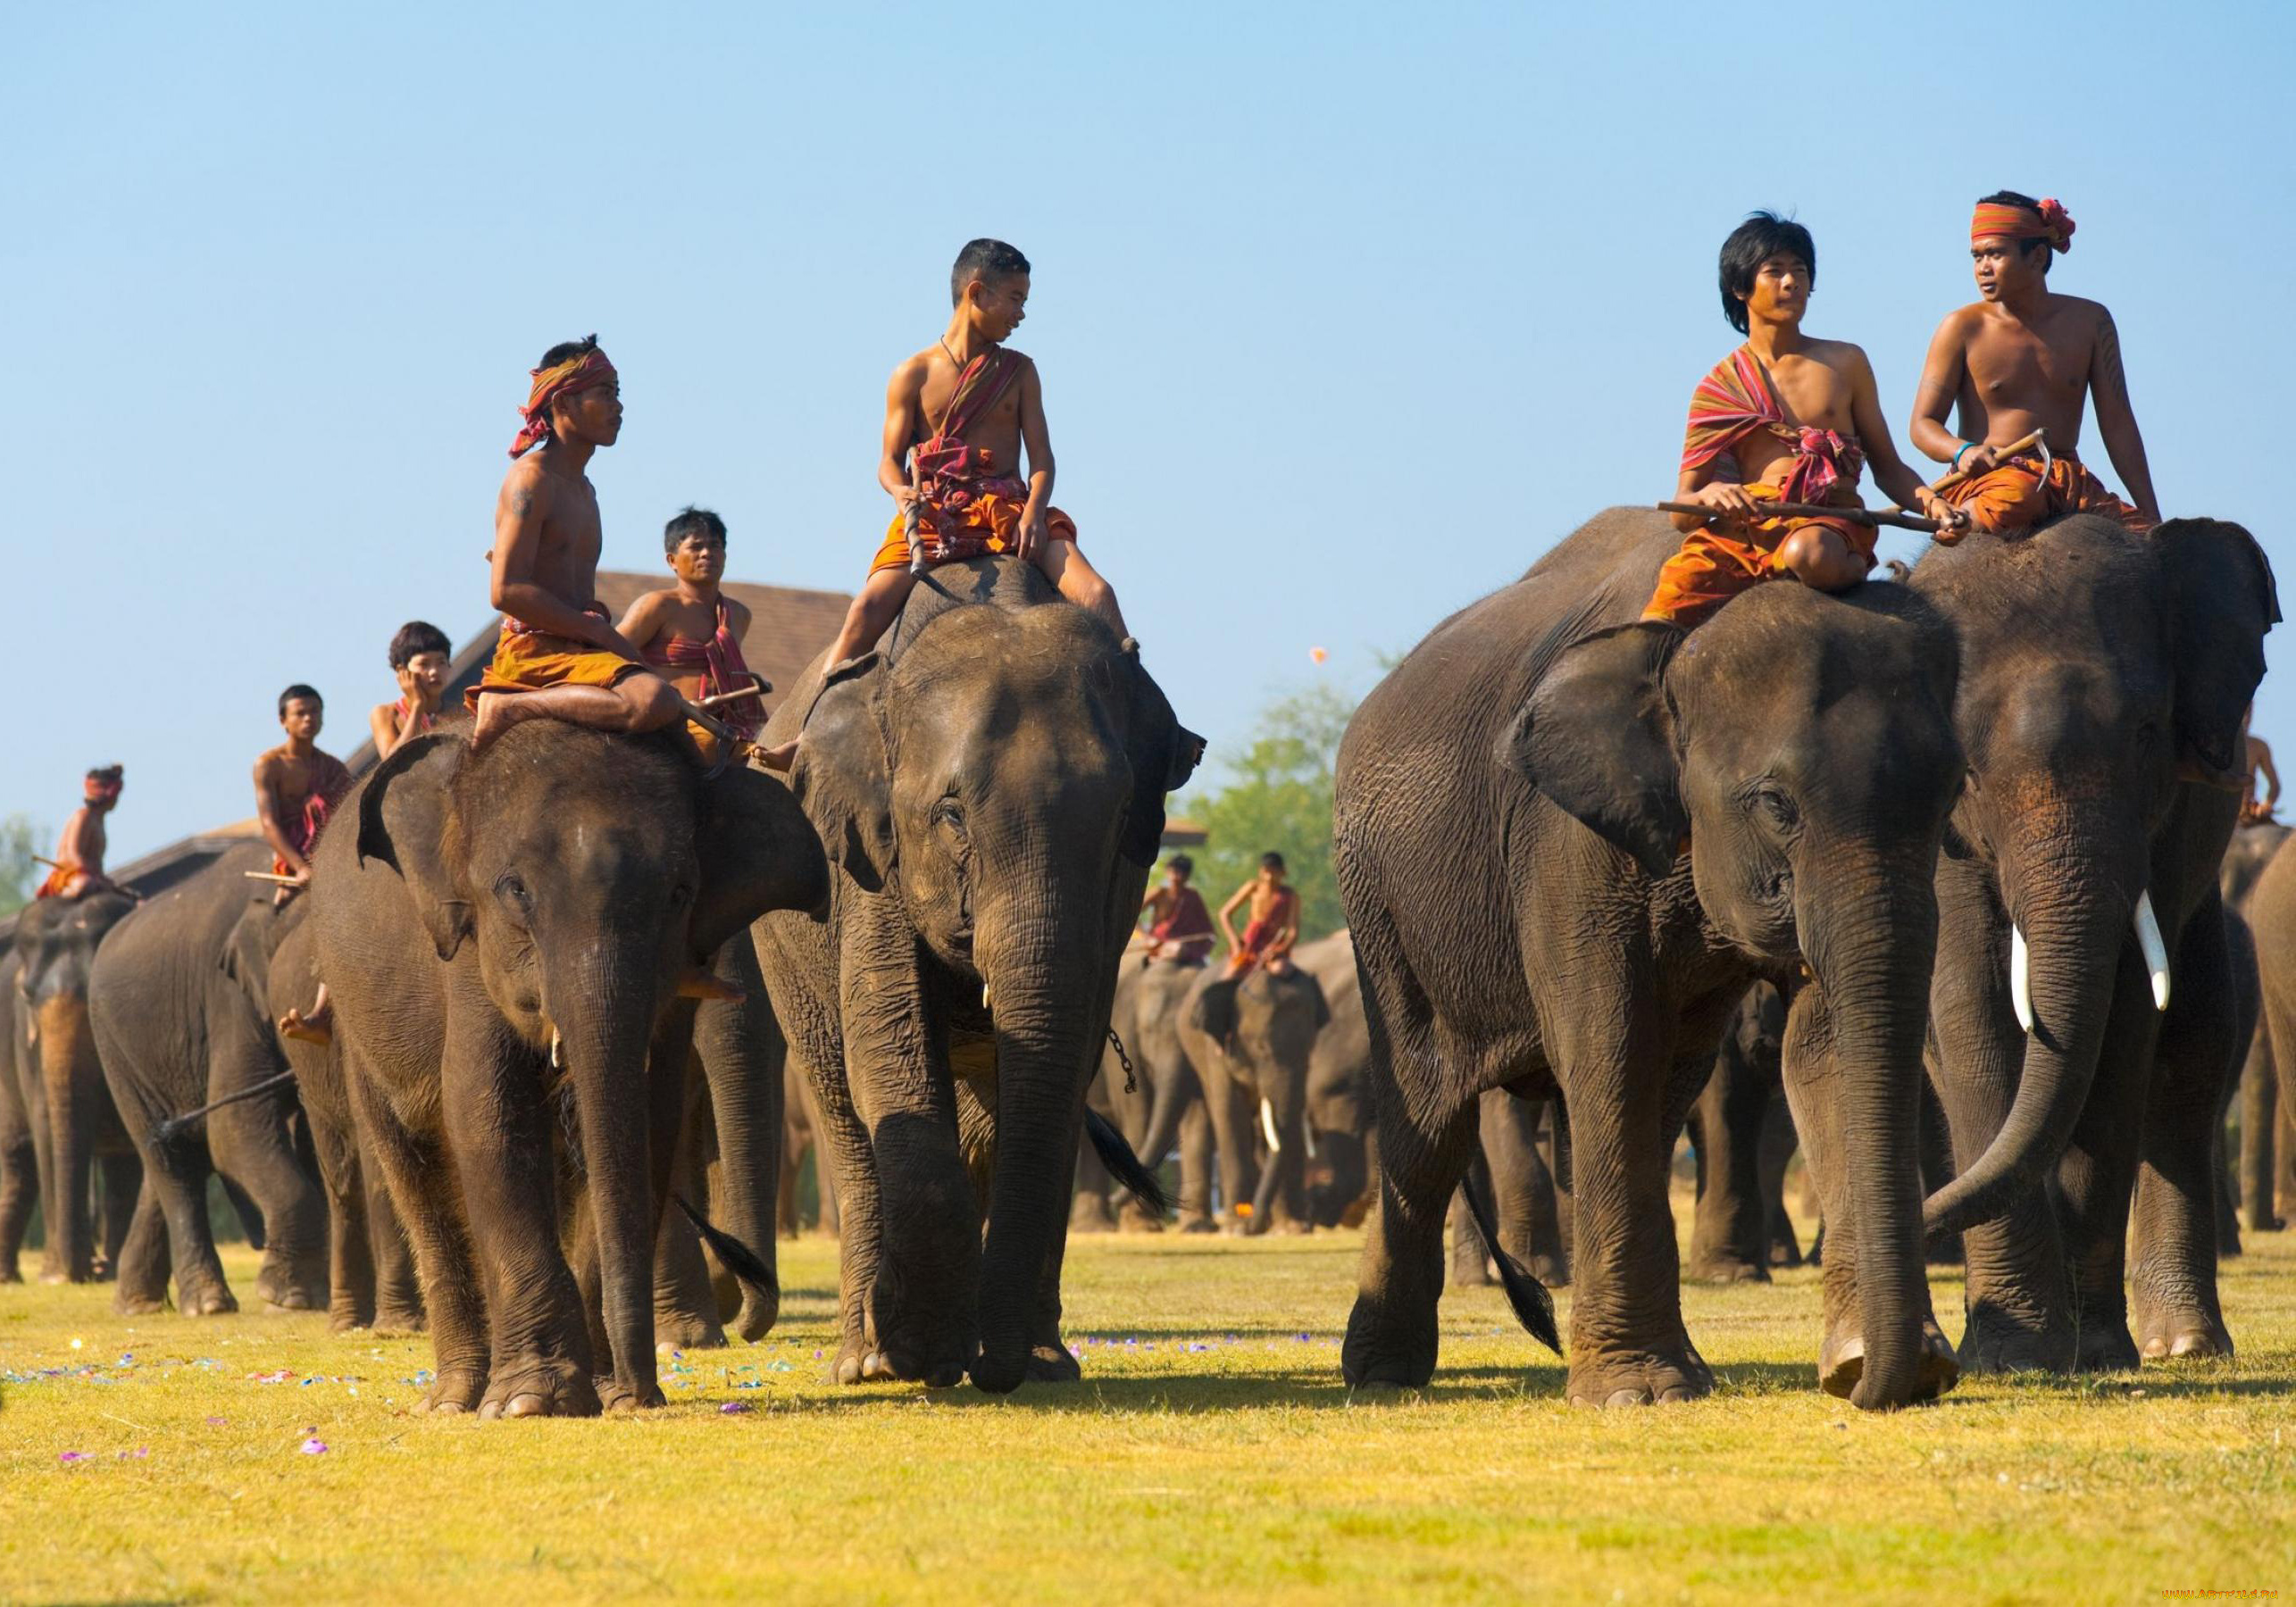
788, 627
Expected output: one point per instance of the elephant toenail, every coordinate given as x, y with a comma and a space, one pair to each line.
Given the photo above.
1628, 1397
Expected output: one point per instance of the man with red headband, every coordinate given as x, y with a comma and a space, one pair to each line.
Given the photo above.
559, 656
2021, 359
78, 864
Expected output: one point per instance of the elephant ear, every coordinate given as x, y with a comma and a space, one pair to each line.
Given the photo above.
843, 779
757, 852
2222, 601
1323, 1006
1597, 738
1213, 1010
403, 821
1164, 754
246, 955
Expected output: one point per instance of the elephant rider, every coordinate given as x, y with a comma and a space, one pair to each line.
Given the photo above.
691, 633
2023, 359
559, 656
78, 867
1273, 928
420, 657
1786, 418
958, 416
1180, 930
297, 787
2255, 811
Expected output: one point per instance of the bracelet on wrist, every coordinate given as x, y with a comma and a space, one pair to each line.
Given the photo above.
1966, 446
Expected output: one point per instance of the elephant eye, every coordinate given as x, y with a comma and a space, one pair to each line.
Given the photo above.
950, 815
1769, 802
511, 888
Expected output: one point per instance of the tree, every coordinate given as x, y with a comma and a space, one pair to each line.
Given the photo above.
1278, 796
20, 873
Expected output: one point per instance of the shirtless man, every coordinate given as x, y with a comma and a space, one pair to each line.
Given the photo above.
2255, 811
957, 415
78, 864
559, 656
2023, 358
1274, 925
1786, 418
691, 634
420, 654
1179, 928
296, 787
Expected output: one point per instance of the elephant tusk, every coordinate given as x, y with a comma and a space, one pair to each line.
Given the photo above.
2020, 976
1310, 1130
2155, 951
1267, 1126
557, 1049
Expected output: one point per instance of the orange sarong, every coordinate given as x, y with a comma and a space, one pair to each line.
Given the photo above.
1715, 565
528, 661
2020, 494
1000, 516
58, 880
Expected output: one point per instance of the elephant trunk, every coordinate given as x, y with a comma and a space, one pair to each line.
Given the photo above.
1871, 946
1164, 1117
67, 1066
2068, 924
1037, 961
1283, 1118
604, 1029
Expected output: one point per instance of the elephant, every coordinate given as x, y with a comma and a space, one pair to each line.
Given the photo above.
2082, 1014
60, 1086
1250, 1038
1512, 807
370, 1275
1515, 1165
1339, 1100
2271, 916
507, 934
19, 1167
801, 1132
2264, 1159
990, 783
180, 1006
1163, 1105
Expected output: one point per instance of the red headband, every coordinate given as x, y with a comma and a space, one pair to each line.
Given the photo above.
2000, 220
575, 374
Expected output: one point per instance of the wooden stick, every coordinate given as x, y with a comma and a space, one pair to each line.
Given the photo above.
1770, 509
713, 700
273, 878
2039, 438
51, 864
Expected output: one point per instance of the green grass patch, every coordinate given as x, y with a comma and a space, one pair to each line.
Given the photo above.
1210, 1453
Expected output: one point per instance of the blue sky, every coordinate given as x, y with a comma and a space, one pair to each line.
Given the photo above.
1346, 314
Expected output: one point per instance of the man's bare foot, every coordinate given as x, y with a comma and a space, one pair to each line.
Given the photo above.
778, 757
316, 1030
492, 719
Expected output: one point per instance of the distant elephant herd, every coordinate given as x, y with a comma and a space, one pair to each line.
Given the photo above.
1928, 880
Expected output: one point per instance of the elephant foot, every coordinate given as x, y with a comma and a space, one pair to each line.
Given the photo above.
1381, 1352
456, 1390
1639, 1378
207, 1303
1727, 1270
125, 1304
539, 1387
297, 1300
616, 1398
1090, 1214
349, 1322
1135, 1218
2104, 1346
2177, 1333
392, 1323
1471, 1268
1842, 1364
1052, 1364
688, 1331
1198, 1224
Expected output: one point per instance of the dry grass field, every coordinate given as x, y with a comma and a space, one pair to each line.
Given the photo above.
1211, 1454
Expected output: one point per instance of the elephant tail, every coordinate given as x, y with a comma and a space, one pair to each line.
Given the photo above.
737, 1257
1123, 1163
1535, 1308
167, 1132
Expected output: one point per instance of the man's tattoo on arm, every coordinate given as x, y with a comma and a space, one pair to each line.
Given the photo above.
2106, 375
521, 500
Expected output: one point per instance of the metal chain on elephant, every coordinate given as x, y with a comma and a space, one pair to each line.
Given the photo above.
1123, 1060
